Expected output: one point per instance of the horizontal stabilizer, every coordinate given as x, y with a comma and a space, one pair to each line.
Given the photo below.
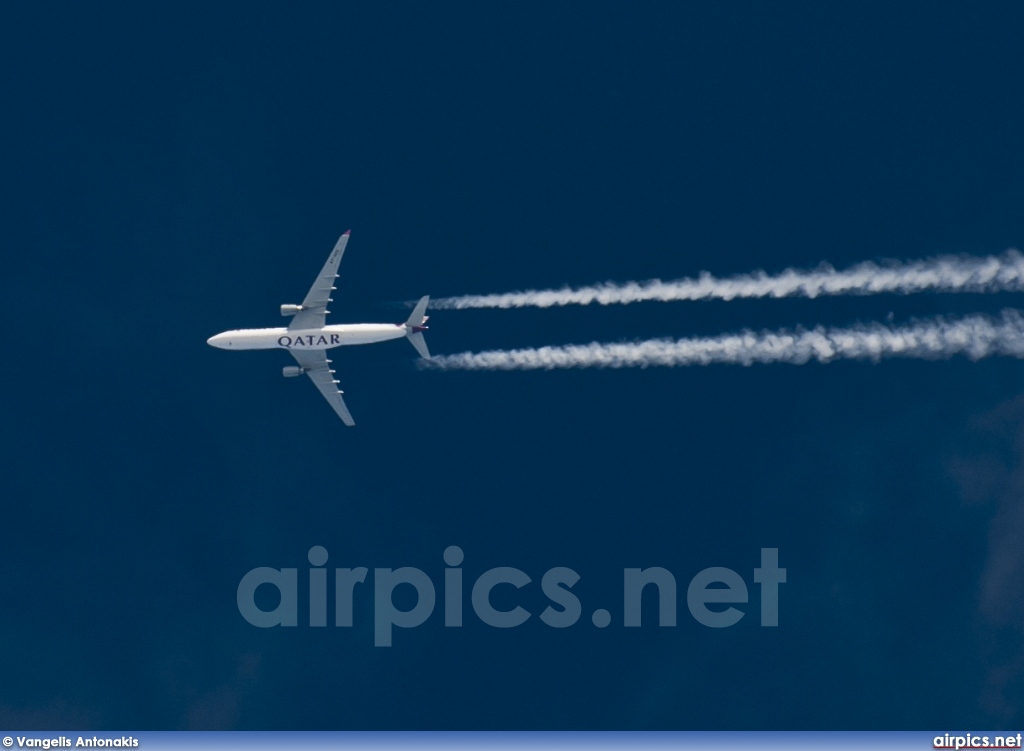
417, 317
417, 340
415, 327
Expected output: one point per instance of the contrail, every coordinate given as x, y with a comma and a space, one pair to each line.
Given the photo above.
1003, 273
975, 336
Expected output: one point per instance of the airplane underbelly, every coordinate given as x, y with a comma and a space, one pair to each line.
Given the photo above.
323, 338
247, 339
339, 336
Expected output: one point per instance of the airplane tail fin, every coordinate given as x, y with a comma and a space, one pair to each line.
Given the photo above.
416, 325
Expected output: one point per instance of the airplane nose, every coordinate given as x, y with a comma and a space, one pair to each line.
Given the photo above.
216, 341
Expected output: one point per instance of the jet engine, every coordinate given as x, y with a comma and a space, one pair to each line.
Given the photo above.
290, 310
290, 371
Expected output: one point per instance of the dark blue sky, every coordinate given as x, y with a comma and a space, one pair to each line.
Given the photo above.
172, 172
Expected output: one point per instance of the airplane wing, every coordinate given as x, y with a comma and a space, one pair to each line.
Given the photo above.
317, 367
314, 307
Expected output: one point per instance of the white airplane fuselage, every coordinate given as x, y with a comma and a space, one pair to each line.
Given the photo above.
326, 337
308, 338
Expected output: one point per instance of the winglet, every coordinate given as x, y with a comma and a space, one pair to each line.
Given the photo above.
346, 232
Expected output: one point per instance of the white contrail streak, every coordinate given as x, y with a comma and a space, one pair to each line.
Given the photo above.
944, 274
975, 336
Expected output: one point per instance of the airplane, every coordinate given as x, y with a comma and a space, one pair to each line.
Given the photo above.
308, 338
